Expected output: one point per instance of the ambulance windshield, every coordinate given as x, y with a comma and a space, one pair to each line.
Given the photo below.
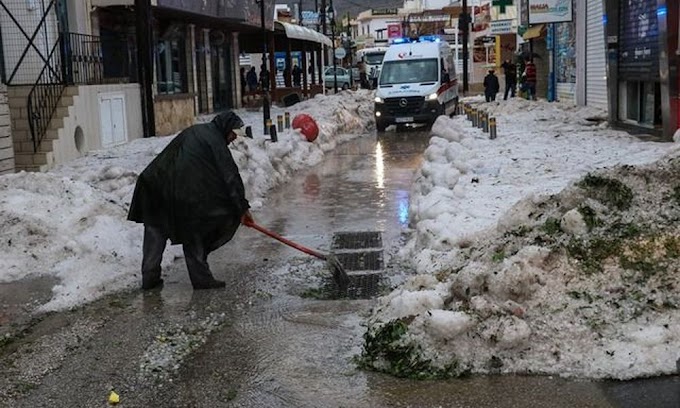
410, 71
374, 58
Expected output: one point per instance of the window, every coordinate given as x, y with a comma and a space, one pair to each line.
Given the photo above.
405, 72
171, 65
643, 102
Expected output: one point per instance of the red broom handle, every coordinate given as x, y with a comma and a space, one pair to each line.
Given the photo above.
285, 241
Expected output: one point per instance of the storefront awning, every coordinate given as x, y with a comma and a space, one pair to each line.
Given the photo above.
534, 32
303, 33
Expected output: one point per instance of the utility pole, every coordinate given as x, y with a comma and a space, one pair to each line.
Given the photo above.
145, 64
322, 16
464, 25
265, 89
300, 12
316, 10
335, 71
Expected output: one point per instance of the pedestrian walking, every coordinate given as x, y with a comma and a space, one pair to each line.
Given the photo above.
510, 71
491, 86
297, 75
191, 194
251, 79
363, 77
530, 79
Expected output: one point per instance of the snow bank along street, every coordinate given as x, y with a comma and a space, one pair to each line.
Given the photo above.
553, 249
71, 223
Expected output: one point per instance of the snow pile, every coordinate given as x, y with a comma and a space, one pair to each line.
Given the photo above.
468, 181
579, 283
71, 222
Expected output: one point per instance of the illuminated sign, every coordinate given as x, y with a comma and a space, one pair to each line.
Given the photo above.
550, 11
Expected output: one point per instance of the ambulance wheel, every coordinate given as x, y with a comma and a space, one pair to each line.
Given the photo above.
380, 126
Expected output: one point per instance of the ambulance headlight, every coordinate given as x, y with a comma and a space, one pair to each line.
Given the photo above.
379, 99
432, 97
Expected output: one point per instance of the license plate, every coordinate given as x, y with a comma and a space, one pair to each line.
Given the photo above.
403, 120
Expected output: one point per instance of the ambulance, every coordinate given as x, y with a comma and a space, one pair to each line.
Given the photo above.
417, 83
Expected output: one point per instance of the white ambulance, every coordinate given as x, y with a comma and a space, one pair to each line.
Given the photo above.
417, 83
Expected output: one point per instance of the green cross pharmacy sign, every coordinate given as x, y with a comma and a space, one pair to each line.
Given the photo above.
503, 4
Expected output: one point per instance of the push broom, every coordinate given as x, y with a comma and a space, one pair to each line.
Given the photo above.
339, 274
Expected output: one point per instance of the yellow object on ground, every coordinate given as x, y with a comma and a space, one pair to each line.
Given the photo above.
114, 398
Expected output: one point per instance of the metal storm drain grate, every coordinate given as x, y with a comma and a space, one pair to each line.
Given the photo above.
361, 254
357, 240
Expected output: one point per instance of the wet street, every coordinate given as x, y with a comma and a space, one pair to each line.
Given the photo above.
277, 336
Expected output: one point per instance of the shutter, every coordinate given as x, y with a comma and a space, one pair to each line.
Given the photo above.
639, 41
596, 64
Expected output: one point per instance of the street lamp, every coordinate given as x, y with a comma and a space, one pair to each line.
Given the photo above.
331, 14
266, 79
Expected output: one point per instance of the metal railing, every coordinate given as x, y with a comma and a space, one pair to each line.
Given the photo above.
44, 97
75, 59
85, 62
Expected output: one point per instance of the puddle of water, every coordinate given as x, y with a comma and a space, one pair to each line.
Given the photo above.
19, 299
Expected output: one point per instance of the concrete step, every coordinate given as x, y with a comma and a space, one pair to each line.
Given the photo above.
19, 91
32, 169
56, 123
66, 101
34, 159
71, 91
61, 112
15, 102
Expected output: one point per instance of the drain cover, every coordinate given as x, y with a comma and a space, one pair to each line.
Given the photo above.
361, 254
357, 240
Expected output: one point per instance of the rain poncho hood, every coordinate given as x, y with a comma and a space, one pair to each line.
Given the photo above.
193, 186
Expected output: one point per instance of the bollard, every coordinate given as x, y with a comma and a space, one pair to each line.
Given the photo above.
286, 118
473, 117
267, 126
272, 132
249, 132
492, 128
485, 124
480, 124
279, 123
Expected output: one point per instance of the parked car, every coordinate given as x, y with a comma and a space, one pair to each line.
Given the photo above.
343, 75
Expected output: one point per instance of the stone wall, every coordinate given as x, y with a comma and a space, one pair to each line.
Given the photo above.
6, 147
173, 113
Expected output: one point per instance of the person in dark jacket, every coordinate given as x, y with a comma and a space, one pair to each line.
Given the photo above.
510, 71
191, 194
243, 81
251, 79
264, 77
491, 86
297, 76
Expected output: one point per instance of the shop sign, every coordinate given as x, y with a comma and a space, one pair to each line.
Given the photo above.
502, 27
384, 11
393, 30
550, 11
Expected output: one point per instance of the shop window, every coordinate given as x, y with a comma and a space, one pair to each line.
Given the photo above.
171, 65
643, 102
633, 101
